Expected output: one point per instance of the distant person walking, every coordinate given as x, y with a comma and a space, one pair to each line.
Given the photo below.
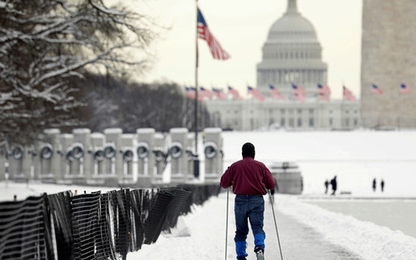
326, 186
374, 184
334, 185
250, 180
382, 185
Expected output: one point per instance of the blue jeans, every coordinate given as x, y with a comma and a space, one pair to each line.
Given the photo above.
248, 208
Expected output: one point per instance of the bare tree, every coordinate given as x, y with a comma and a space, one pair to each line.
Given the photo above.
45, 48
115, 102
157, 105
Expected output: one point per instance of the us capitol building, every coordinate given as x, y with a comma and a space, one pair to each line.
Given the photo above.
292, 54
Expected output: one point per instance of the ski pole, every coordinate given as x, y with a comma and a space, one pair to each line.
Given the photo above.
226, 224
275, 224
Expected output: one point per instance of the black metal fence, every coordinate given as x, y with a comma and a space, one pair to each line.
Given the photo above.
96, 225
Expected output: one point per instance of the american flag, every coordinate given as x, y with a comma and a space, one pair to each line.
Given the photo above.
190, 92
255, 93
274, 92
204, 94
234, 93
404, 88
219, 94
376, 90
298, 92
204, 33
324, 92
347, 94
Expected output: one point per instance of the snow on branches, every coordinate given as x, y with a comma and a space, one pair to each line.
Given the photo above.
47, 45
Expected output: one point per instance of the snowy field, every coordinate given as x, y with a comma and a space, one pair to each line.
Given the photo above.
355, 157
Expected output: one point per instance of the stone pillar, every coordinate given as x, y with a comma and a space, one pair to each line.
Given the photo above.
97, 146
191, 157
50, 156
127, 144
213, 154
66, 141
36, 160
27, 163
81, 159
2, 164
18, 163
160, 157
146, 157
179, 160
114, 159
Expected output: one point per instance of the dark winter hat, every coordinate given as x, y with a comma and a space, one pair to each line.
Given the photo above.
248, 150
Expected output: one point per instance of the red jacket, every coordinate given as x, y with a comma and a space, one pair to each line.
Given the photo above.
248, 177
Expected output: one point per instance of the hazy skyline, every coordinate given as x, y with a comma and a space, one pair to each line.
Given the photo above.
242, 28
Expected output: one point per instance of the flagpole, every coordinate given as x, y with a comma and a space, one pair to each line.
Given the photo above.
196, 162
400, 109
342, 104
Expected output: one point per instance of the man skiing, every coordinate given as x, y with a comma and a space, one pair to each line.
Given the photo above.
250, 180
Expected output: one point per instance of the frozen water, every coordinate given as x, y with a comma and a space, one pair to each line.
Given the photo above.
392, 213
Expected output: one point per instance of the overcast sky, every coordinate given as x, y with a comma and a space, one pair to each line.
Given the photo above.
242, 28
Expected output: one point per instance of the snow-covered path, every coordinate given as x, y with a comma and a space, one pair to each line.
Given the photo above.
306, 232
201, 235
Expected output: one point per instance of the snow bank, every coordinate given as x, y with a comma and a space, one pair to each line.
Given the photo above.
366, 239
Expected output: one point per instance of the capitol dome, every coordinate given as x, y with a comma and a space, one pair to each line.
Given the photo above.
292, 54
292, 25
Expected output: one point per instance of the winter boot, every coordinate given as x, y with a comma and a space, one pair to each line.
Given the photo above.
259, 252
